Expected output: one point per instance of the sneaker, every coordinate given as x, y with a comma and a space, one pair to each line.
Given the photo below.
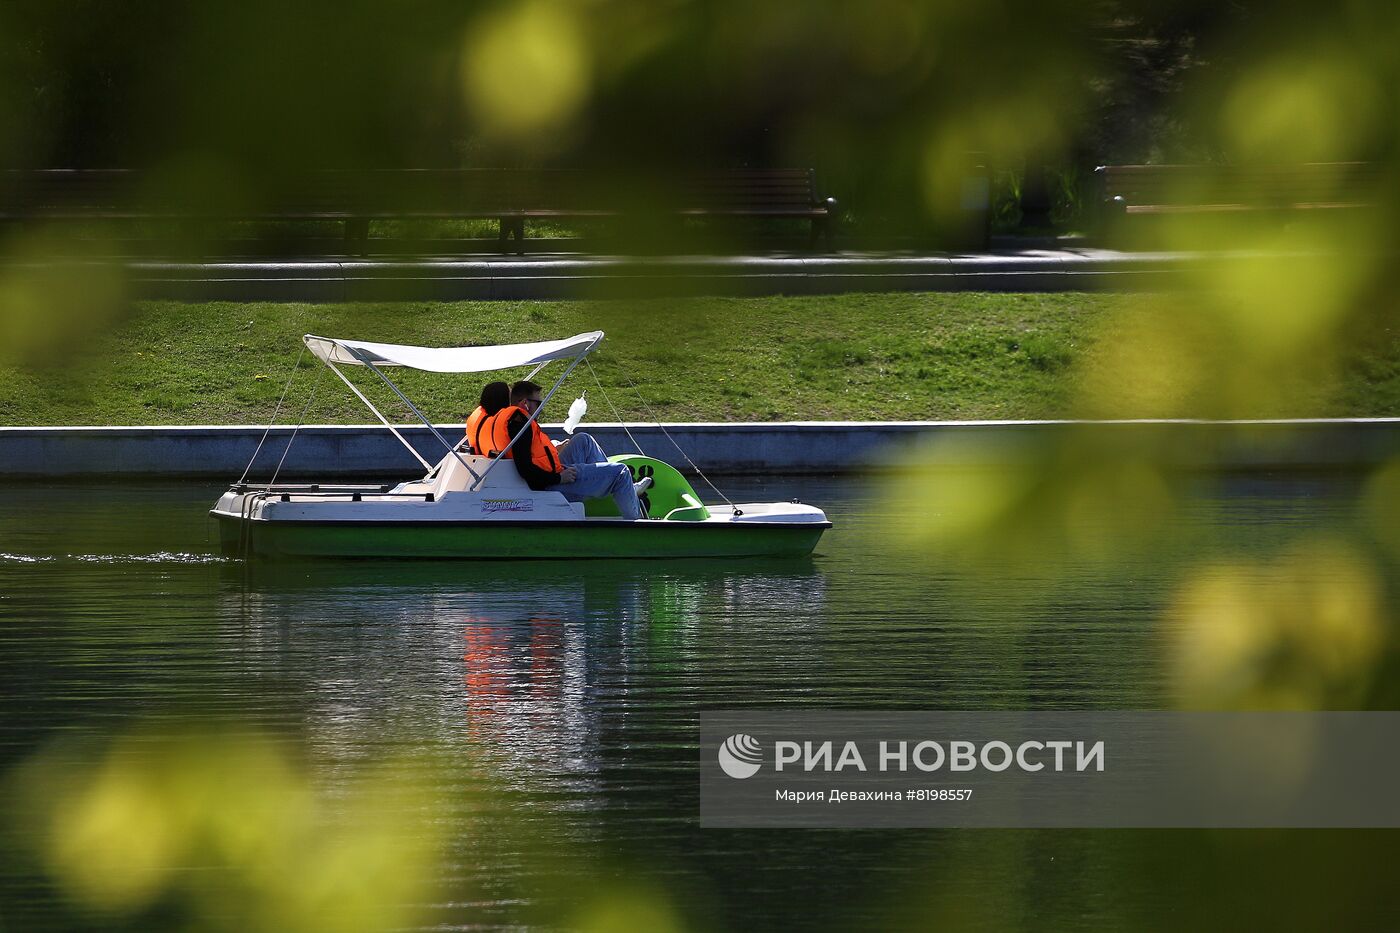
642, 485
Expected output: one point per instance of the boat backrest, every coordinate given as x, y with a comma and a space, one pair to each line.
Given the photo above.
453, 477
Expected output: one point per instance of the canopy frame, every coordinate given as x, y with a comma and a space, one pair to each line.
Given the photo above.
478, 359
384, 421
451, 447
362, 357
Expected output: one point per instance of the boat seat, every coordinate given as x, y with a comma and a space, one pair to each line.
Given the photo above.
451, 477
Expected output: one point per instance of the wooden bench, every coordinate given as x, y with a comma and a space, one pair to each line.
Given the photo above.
1146, 190
355, 198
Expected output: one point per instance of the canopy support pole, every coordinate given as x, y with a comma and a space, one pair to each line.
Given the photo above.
451, 448
370, 405
558, 382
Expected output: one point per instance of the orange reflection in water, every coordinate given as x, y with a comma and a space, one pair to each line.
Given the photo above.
519, 705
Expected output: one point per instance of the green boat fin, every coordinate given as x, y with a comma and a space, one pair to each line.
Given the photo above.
670, 497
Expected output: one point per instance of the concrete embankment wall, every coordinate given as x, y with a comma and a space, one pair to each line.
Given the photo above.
785, 447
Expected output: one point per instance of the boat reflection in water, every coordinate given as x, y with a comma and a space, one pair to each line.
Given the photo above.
536, 669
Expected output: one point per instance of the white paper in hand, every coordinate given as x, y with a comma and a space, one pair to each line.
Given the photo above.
576, 412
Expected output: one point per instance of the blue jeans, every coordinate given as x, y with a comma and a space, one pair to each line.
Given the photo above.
596, 477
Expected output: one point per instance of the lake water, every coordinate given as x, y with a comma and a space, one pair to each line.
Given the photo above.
568, 693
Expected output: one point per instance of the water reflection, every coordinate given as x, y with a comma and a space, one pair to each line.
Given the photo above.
513, 664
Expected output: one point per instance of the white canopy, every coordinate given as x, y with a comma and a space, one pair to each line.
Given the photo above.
451, 359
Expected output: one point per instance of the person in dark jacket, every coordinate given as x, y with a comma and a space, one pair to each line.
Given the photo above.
578, 467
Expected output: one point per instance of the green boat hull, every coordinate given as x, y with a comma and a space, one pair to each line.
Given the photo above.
517, 540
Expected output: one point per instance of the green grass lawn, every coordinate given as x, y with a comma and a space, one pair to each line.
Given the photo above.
895, 357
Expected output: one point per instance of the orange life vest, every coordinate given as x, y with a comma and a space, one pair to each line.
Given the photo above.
475, 436
542, 452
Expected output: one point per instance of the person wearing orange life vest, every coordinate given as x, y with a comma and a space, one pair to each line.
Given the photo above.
494, 397
578, 467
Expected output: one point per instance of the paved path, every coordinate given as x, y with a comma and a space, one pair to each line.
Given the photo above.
559, 275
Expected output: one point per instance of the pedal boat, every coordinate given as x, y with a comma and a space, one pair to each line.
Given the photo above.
470, 506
